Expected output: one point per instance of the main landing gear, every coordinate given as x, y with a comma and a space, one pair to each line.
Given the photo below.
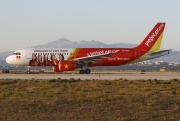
86, 71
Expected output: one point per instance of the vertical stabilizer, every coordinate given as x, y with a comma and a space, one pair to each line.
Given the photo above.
152, 41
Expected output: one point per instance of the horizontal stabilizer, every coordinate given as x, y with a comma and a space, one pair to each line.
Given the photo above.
159, 52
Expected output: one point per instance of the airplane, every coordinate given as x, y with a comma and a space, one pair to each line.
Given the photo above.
69, 59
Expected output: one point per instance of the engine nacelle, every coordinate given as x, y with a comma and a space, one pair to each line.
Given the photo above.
65, 66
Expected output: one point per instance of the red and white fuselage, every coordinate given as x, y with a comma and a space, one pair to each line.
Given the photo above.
68, 59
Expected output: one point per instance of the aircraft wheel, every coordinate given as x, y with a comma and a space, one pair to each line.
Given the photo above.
28, 72
87, 71
81, 71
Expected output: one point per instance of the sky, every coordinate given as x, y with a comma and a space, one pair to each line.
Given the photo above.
26, 23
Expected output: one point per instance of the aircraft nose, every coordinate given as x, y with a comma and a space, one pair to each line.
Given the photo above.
8, 60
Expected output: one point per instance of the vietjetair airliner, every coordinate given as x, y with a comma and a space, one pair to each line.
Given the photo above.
69, 59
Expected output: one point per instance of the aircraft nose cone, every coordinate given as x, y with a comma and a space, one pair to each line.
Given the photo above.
8, 60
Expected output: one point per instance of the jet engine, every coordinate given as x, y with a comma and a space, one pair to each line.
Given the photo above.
65, 66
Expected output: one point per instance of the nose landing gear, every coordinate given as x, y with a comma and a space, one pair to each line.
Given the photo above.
28, 72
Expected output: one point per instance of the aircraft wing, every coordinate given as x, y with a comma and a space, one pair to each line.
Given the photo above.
88, 59
159, 52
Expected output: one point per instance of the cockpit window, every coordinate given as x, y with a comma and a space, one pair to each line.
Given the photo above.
16, 53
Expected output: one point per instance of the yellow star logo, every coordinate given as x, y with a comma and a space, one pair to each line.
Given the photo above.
66, 66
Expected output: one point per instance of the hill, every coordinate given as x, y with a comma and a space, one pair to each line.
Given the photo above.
65, 43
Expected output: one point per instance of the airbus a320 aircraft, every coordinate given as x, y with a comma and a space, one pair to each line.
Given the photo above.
68, 59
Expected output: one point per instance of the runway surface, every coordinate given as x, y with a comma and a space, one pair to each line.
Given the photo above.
124, 75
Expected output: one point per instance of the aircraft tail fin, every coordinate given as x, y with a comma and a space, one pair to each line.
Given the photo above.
152, 41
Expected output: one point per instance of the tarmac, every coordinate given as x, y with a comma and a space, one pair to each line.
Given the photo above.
110, 76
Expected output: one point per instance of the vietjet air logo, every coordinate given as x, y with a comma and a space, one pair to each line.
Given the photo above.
102, 52
154, 34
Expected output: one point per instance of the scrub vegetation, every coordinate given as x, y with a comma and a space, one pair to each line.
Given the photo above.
76, 99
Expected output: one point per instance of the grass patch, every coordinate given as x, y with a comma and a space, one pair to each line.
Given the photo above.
76, 99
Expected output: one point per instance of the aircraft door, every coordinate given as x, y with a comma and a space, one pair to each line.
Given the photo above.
137, 53
28, 54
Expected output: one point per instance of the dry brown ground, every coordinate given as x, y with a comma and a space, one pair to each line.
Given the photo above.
75, 99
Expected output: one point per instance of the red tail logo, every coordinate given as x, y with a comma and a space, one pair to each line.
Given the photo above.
154, 34
152, 37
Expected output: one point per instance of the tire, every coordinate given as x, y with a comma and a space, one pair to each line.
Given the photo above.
81, 72
87, 71
28, 72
